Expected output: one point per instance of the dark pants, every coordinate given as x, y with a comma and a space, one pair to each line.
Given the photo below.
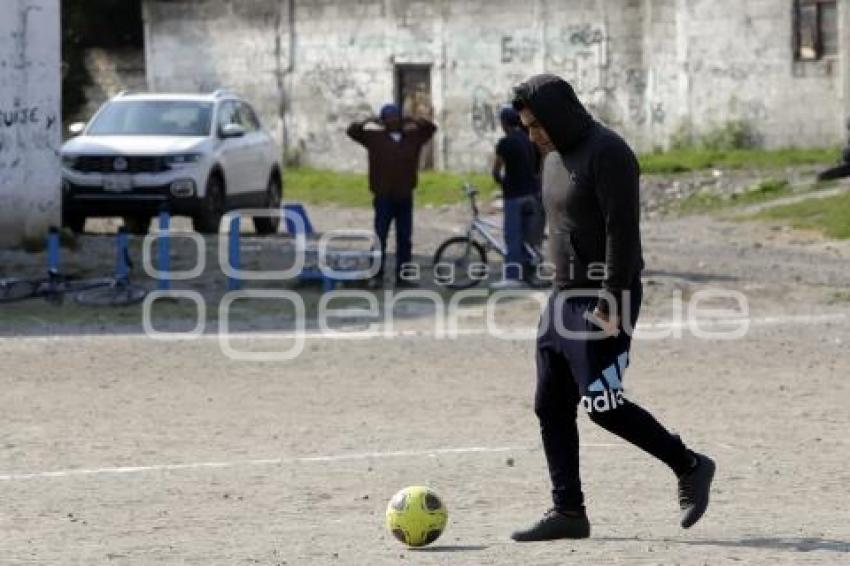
401, 211
589, 372
522, 223
514, 240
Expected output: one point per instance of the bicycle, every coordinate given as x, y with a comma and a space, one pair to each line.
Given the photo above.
467, 255
102, 291
51, 288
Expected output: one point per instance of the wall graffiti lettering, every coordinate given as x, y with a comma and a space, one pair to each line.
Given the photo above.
335, 82
636, 80
659, 115
517, 51
587, 35
636, 111
19, 116
580, 54
336, 95
21, 38
484, 114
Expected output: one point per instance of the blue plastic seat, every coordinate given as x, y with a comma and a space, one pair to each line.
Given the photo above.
292, 227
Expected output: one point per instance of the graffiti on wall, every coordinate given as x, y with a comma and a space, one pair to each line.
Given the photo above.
30, 174
659, 115
334, 81
23, 128
12, 120
579, 52
517, 50
337, 96
19, 116
586, 35
634, 83
485, 112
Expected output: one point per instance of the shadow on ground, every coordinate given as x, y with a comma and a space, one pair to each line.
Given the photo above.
793, 544
451, 548
689, 276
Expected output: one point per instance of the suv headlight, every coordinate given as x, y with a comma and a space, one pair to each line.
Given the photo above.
69, 161
182, 160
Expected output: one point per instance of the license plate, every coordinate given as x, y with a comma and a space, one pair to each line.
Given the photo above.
118, 183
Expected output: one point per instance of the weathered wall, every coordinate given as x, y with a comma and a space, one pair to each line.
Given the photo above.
29, 119
649, 68
111, 71
204, 45
739, 64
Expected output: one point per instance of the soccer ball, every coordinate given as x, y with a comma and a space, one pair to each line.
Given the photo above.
416, 516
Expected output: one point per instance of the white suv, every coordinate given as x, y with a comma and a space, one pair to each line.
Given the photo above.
195, 155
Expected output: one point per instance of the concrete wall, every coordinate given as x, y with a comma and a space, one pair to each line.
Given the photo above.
111, 71
649, 68
204, 45
739, 64
30, 119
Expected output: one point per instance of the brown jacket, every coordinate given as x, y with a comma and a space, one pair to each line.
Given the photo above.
393, 166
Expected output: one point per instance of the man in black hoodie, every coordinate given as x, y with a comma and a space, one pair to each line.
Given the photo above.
590, 193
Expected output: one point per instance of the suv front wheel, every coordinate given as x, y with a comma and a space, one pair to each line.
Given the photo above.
212, 207
74, 223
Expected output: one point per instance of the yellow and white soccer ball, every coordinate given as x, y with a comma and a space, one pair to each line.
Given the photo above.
416, 516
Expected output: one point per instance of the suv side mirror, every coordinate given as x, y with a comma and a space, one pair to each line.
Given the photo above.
232, 131
76, 128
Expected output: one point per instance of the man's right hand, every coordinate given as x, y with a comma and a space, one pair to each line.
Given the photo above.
373, 123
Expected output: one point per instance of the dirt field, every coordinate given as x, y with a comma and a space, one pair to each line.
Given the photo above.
117, 449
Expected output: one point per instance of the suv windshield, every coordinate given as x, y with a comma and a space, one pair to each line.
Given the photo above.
153, 118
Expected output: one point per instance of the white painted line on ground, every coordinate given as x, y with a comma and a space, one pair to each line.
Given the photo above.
517, 333
278, 461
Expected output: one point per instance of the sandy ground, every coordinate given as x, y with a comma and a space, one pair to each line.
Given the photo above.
224, 462
117, 449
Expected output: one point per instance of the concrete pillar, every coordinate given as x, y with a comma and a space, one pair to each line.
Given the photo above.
30, 119
843, 69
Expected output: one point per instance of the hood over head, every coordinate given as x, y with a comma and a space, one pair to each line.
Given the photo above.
555, 105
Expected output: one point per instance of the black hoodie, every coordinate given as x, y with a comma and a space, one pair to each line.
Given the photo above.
590, 191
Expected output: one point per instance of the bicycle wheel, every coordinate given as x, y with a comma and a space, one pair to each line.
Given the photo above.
55, 289
115, 295
458, 263
71, 286
13, 290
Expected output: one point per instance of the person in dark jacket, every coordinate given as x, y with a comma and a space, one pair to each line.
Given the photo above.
514, 171
590, 194
394, 146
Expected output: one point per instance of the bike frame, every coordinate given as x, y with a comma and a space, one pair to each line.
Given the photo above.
485, 229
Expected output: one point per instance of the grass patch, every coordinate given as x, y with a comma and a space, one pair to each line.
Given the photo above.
830, 215
701, 202
695, 159
318, 186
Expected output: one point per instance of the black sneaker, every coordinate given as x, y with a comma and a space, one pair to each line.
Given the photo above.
694, 488
556, 525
